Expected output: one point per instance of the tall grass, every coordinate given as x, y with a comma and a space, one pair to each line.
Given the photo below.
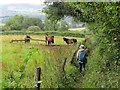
100, 73
0, 62
17, 57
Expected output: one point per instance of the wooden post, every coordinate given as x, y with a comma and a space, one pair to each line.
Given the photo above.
63, 66
38, 73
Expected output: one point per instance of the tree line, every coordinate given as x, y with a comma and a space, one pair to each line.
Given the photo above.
24, 23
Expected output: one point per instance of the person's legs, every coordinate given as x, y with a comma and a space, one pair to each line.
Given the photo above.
84, 65
80, 67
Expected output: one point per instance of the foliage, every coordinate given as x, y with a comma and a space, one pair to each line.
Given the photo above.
33, 28
101, 64
103, 21
3, 28
104, 57
50, 25
14, 78
63, 25
21, 22
19, 65
58, 33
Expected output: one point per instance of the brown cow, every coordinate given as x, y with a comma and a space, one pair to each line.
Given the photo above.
49, 39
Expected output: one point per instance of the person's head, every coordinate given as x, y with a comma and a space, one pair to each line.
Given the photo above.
82, 46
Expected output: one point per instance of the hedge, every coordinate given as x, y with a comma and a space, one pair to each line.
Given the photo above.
57, 33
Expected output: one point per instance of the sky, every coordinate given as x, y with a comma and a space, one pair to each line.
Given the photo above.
5, 2
37, 2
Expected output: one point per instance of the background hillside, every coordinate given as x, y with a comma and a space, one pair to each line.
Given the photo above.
29, 10
8, 11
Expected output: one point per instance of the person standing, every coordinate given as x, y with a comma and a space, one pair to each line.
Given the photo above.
82, 57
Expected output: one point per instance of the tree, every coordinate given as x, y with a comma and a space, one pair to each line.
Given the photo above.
33, 28
15, 23
22, 22
63, 25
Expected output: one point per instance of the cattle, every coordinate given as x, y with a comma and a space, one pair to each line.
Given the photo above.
49, 39
27, 38
70, 41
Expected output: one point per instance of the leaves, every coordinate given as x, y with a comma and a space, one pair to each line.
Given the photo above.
21, 22
20, 74
103, 20
22, 68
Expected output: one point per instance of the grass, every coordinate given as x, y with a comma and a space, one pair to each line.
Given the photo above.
49, 58
99, 74
77, 29
0, 62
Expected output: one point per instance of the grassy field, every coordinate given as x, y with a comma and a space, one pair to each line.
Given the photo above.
32, 55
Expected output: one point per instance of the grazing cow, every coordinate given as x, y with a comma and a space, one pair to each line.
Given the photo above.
27, 38
70, 41
49, 39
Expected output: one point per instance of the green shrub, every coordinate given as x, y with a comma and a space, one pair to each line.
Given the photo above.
33, 28
102, 70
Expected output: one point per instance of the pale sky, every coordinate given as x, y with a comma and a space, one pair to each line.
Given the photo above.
5, 2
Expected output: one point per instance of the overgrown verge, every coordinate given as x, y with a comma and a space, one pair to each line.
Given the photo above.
103, 66
103, 20
21, 73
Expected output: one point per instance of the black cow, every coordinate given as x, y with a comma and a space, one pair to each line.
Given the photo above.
27, 38
70, 41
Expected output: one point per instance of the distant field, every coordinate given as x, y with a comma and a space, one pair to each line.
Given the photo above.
49, 58
58, 39
56, 33
77, 29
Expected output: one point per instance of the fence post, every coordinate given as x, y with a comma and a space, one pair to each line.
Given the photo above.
38, 73
63, 66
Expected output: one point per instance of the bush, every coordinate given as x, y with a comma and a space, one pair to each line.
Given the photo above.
33, 28
102, 70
